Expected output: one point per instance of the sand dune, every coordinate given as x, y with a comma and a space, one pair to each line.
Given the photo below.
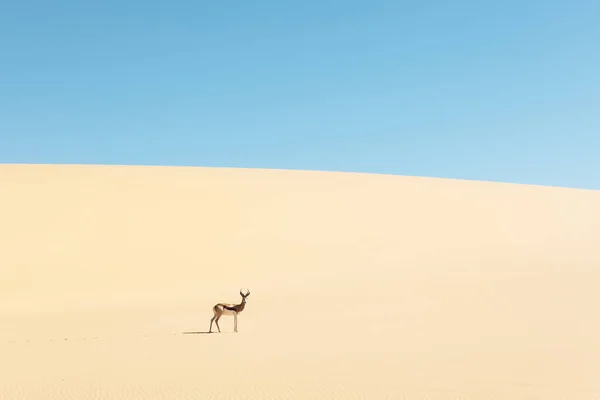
362, 286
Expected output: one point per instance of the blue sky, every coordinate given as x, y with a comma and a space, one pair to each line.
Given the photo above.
505, 90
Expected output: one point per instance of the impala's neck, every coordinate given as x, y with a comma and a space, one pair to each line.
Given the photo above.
241, 306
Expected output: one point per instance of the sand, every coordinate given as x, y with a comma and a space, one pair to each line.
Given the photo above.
362, 286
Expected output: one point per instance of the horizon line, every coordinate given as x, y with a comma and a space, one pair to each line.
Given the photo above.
301, 170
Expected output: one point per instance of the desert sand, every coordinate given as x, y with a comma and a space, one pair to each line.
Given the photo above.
362, 286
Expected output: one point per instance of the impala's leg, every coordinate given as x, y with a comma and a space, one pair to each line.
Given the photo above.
217, 322
235, 322
216, 314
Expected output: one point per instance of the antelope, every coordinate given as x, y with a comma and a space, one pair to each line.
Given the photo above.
221, 309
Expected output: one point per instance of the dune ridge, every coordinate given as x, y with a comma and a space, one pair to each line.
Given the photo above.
363, 285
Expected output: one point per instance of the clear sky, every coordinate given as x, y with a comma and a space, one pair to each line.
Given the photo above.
494, 90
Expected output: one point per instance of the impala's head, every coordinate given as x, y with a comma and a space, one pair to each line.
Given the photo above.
244, 296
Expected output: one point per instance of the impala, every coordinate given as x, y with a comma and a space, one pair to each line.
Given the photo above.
221, 309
